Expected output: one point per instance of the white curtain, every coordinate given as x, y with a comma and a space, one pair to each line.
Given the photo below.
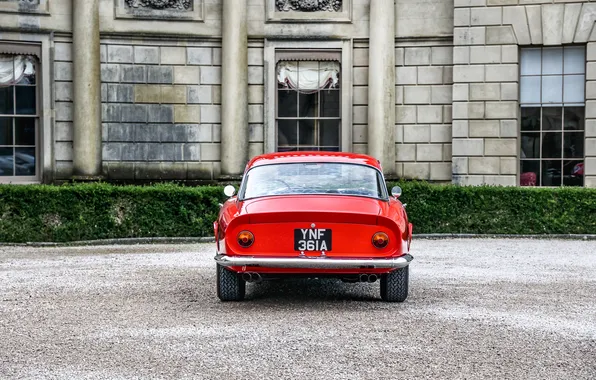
14, 67
308, 76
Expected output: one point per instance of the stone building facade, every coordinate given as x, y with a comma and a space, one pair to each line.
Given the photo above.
463, 91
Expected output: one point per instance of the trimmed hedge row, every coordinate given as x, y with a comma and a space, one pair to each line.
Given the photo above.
45, 213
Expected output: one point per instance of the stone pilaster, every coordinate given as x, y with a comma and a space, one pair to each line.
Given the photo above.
86, 89
381, 84
234, 88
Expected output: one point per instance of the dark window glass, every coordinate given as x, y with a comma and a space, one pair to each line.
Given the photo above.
573, 173
574, 118
530, 172
6, 131
6, 162
287, 132
530, 119
530, 145
552, 145
574, 145
25, 96
306, 132
287, 103
552, 118
308, 105
329, 133
7, 100
24, 131
25, 161
551, 172
330, 103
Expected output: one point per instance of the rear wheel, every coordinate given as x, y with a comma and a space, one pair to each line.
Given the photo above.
394, 285
230, 287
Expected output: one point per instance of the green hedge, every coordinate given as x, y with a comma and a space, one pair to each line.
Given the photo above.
42, 213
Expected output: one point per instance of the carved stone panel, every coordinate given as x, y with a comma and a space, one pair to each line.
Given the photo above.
191, 10
308, 5
24, 6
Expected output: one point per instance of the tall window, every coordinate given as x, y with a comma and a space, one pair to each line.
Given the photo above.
18, 116
308, 106
552, 116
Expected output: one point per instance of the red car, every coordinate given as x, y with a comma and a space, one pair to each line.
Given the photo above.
313, 214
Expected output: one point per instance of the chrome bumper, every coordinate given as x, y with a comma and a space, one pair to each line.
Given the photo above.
313, 262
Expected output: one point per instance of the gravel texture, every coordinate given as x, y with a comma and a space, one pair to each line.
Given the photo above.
478, 309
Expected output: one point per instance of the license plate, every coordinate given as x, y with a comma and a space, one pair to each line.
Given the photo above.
312, 239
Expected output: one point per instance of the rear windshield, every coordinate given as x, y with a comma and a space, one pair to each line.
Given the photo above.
313, 178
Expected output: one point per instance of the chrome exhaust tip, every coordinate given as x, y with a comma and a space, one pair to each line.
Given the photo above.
252, 277
372, 278
363, 278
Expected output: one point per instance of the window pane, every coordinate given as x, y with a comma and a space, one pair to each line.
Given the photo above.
573, 173
530, 90
574, 61
6, 131
306, 132
574, 118
552, 89
6, 100
329, 133
530, 173
573, 145
530, 62
330, 103
551, 173
25, 99
25, 161
530, 119
552, 61
24, 131
573, 89
530, 145
552, 145
287, 103
6, 162
308, 105
552, 118
287, 132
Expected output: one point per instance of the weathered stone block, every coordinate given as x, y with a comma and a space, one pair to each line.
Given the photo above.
509, 91
217, 56
192, 152
148, 132
120, 170
121, 132
590, 149
173, 94
416, 133
200, 170
484, 165
500, 35
447, 114
160, 170
255, 149
120, 93
63, 71
552, 24
133, 74
468, 147
417, 170
417, 56
110, 112
360, 76
112, 151
200, 94
469, 36
508, 128
403, 75
460, 128
404, 114
502, 73
509, 54
571, 16
255, 75
210, 152
398, 134
160, 74
147, 93
461, 54
429, 152
442, 55
500, 147
461, 91
63, 131
461, 17
360, 57
187, 114
199, 133
440, 133
406, 152
535, 23
516, 16
199, 56
509, 165
256, 133
360, 115
459, 165
134, 113
256, 94
441, 94
173, 55
255, 113
440, 171
430, 114
255, 57
417, 94
590, 128
360, 95
484, 128
464, 74
590, 166
430, 75
500, 180
186, 74
161, 113
63, 151
485, 16
485, 54
210, 114
359, 133
120, 54
501, 110
485, 91
63, 111
470, 110
447, 154
173, 133
63, 51
63, 91
146, 54
210, 75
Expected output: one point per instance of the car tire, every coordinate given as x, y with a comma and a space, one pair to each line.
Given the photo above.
394, 285
230, 287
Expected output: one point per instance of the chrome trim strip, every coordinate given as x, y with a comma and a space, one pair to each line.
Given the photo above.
313, 262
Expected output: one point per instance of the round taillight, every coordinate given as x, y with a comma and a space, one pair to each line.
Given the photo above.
380, 240
245, 239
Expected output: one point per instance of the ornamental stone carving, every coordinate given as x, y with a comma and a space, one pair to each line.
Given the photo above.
308, 5
160, 4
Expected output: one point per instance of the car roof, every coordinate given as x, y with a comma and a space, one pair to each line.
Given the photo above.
314, 156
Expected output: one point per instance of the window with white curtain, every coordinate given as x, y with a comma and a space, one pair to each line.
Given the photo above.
308, 106
552, 99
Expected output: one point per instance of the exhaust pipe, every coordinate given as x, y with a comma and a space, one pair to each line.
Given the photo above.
368, 277
251, 277
372, 278
363, 277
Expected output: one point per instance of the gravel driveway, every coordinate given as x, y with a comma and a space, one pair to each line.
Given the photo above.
477, 309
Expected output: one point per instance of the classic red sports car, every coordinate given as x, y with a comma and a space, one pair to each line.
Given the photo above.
313, 214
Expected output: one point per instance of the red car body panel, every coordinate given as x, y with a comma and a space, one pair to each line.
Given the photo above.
353, 221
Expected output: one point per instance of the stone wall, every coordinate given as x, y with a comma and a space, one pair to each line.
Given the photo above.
423, 111
63, 127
